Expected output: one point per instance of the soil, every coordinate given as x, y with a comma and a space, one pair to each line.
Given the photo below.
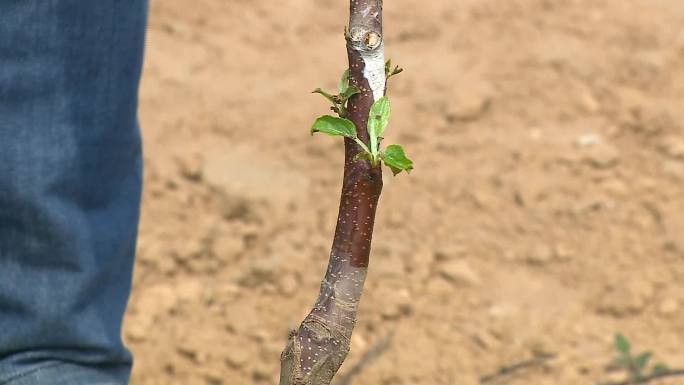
545, 212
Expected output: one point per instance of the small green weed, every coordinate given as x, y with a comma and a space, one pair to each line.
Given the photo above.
636, 365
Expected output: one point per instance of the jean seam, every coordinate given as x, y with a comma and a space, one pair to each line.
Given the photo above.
29, 372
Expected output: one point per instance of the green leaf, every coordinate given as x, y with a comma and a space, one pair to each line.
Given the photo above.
642, 359
660, 368
622, 343
344, 82
326, 95
395, 158
334, 126
389, 72
349, 92
378, 119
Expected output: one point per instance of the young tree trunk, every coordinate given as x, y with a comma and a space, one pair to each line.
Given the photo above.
315, 351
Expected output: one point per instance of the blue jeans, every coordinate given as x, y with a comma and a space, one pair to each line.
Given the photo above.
70, 183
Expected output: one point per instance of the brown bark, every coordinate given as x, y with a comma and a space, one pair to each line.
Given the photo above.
315, 352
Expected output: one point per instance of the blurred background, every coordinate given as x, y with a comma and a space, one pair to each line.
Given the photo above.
545, 212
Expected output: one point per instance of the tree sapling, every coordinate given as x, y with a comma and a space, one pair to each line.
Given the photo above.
316, 350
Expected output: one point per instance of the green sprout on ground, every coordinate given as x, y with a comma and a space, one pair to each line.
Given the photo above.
393, 156
636, 365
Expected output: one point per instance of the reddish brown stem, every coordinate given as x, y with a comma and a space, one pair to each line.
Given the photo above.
315, 351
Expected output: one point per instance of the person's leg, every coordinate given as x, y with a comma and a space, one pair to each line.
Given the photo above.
70, 181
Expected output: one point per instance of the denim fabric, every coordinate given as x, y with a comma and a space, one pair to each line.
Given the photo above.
70, 181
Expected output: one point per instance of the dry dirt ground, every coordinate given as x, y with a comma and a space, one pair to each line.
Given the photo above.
545, 213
